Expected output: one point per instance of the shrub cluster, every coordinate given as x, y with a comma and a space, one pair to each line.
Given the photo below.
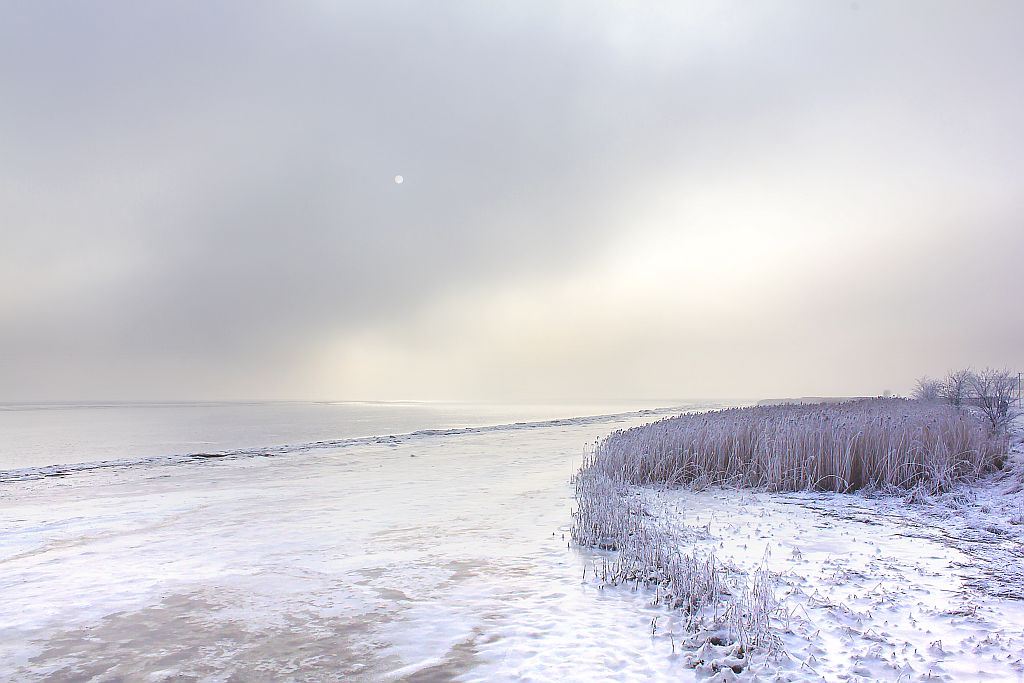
995, 394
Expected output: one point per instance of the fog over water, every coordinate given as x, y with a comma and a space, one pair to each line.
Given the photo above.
598, 200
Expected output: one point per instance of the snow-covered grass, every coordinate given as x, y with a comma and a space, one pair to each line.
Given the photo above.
727, 608
912, 448
882, 443
864, 587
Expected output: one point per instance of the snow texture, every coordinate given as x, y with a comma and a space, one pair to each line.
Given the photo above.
445, 556
866, 587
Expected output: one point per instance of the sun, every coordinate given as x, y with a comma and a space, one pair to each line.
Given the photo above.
399, 180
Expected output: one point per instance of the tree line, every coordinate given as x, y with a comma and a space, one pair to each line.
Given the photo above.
992, 392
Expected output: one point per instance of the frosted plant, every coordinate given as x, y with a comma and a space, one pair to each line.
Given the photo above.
885, 443
888, 444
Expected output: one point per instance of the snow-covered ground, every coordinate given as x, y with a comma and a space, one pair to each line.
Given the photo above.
429, 557
446, 557
871, 588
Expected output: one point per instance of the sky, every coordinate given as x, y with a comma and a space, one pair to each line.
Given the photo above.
601, 200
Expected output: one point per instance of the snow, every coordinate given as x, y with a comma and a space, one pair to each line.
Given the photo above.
874, 587
861, 596
361, 562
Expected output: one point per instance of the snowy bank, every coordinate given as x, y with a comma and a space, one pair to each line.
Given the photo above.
732, 521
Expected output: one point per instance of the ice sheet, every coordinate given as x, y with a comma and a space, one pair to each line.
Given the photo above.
433, 555
446, 557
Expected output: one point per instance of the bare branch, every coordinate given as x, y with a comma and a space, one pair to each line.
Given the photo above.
956, 387
928, 389
993, 393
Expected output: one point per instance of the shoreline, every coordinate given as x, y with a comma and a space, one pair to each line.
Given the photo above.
319, 567
65, 469
799, 583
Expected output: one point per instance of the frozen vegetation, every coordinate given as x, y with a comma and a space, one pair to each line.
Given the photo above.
882, 443
992, 394
697, 508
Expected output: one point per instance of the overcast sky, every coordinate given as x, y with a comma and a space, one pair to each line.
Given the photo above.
600, 200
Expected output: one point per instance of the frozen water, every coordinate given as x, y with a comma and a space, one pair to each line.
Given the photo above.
444, 556
439, 555
46, 434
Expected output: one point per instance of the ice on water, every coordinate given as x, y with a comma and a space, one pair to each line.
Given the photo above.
444, 555
435, 553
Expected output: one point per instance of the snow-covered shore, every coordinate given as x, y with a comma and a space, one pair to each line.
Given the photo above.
446, 556
864, 587
438, 556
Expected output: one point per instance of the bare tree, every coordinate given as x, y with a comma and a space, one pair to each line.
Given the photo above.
992, 391
927, 389
956, 387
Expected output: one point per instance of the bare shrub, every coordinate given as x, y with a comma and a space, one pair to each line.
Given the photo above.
927, 389
993, 394
956, 387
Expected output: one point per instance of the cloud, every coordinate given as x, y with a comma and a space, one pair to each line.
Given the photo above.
199, 201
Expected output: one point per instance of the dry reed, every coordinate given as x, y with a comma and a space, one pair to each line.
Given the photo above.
886, 443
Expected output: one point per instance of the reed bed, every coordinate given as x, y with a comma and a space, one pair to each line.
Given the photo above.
892, 445
886, 443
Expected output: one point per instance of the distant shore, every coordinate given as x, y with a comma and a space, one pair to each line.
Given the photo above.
807, 399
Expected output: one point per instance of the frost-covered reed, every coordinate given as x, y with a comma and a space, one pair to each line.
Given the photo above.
889, 444
886, 443
651, 554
